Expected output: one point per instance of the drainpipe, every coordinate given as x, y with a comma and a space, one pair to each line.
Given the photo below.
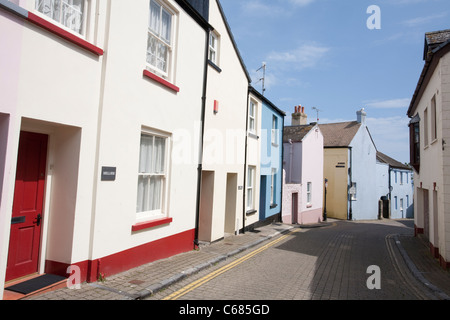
350, 213
92, 269
282, 167
390, 183
200, 155
244, 209
291, 158
390, 190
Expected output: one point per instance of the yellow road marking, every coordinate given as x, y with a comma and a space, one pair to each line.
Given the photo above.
212, 275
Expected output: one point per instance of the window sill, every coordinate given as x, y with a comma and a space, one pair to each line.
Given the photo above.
253, 135
212, 64
150, 224
60, 32
49, 26
273, 205
250, 212
161, 81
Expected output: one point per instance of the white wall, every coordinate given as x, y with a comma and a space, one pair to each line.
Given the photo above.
131, 103
433, 163
312, 169
53, 88
224, 145
382, 179
363, 168
293, 159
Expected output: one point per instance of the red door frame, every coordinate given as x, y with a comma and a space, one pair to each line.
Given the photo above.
28, 203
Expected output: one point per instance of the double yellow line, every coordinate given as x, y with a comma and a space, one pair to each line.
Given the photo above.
218, 272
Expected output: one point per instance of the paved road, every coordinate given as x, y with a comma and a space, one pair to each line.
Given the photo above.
311, 264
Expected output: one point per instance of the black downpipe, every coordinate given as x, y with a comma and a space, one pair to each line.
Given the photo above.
200, 160
244, 192
350, 214
390, 183
282, 168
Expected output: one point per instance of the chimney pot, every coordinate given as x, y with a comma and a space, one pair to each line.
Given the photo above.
299, 117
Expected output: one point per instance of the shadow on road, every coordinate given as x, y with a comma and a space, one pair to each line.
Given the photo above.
342, 256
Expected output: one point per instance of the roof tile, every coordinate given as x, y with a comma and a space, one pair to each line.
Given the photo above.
339, 134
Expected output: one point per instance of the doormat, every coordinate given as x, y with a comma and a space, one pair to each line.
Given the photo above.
35, 284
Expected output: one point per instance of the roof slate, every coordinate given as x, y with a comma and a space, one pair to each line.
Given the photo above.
381, 157
339, 134
296, 133
437, 37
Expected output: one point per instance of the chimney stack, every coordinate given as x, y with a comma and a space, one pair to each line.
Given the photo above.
299, 117
361, 116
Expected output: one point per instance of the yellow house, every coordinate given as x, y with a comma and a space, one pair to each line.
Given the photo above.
335, 171
350, 170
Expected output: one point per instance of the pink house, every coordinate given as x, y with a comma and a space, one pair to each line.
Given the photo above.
303, 166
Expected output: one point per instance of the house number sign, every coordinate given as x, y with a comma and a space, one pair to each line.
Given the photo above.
108, 173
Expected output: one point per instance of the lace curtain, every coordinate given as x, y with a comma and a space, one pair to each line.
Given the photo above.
158, 45
67, 12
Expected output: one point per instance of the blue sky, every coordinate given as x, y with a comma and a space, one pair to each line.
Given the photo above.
320, 53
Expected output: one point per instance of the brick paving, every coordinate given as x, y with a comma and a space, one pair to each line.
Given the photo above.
323, 278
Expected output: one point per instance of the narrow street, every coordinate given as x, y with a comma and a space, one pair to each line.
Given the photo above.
323, 263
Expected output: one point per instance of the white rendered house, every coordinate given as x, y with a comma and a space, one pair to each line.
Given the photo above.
225, 122
100, 121
429, 136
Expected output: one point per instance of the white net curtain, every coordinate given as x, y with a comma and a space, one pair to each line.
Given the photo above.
69, 13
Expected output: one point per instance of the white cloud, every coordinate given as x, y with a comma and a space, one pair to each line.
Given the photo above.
389, 104
393, 128
305, 56
271, 8
301, 3
424, 20
408, 2
269, 81
391, 136
261, 8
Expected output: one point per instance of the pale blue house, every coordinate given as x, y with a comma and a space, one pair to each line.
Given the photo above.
271, 160
396, 186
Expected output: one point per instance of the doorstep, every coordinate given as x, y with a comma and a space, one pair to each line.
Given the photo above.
12, 295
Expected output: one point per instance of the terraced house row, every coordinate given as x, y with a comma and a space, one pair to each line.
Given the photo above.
129, 132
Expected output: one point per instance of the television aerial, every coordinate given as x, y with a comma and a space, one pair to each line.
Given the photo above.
263, 79
317, 110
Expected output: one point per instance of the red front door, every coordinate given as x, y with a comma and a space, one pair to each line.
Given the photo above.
24, 243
